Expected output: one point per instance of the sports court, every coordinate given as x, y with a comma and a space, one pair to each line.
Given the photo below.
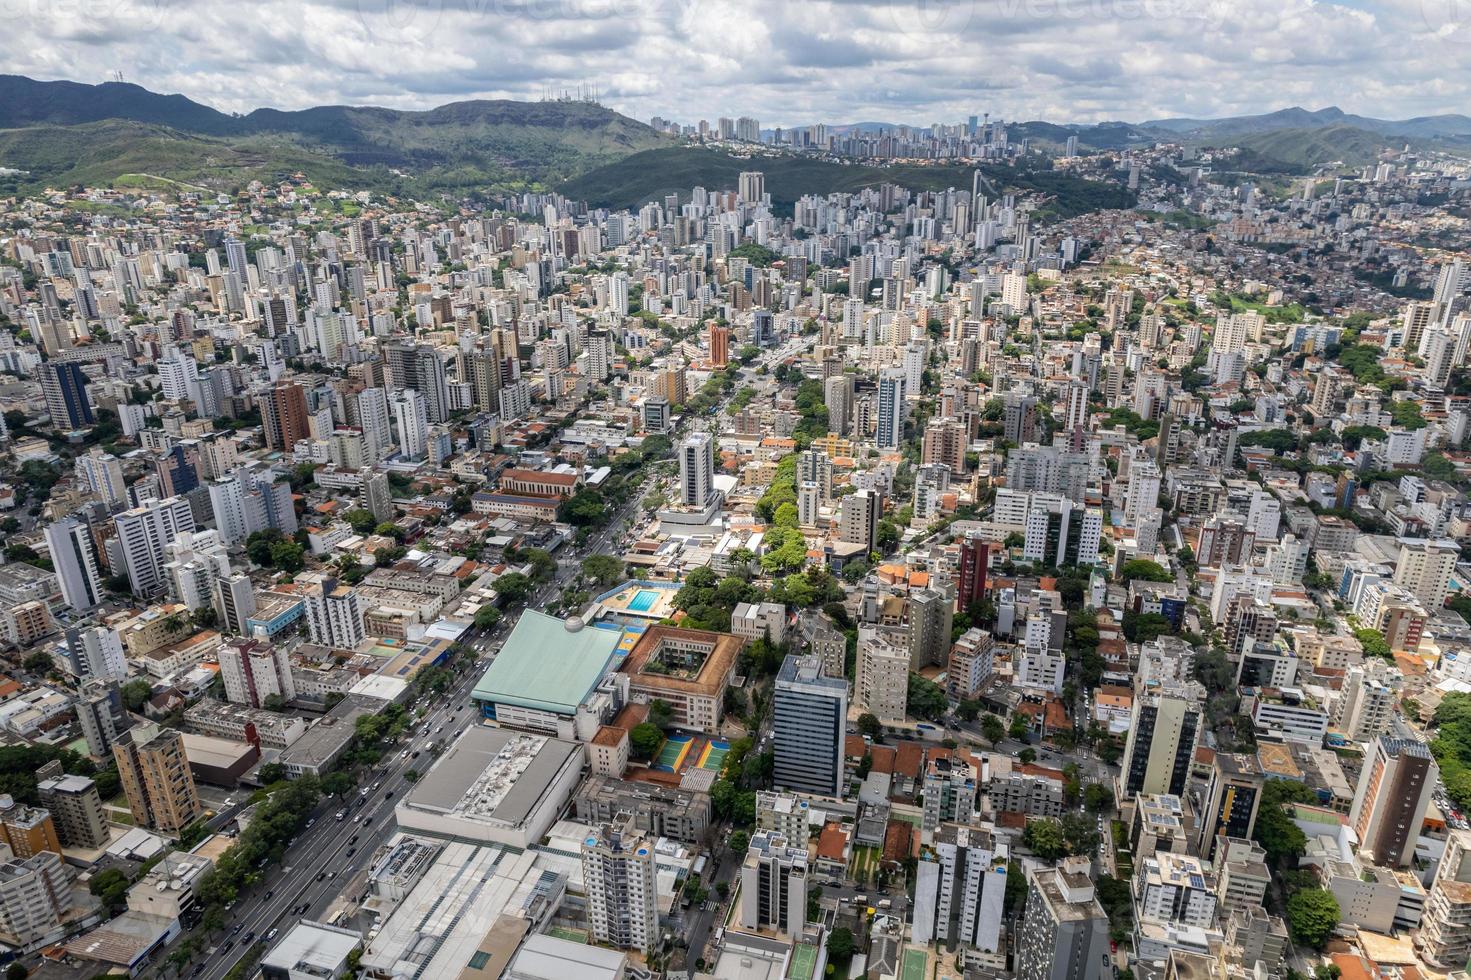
915, 966
713, 756
672, 753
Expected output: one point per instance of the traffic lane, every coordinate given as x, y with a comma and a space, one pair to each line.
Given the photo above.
329, 836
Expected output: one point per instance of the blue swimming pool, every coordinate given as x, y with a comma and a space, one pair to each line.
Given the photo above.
643, 600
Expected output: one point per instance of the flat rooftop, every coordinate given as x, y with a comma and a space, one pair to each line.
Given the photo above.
492, 774
548, 664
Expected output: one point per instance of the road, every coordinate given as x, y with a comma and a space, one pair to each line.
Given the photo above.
318, 869
321, 849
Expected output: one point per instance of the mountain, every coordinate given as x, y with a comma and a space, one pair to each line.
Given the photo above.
1456, 128
652, 174
1305, 150
479, 144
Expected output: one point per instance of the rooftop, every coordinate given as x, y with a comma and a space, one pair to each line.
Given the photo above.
491, 774
548, 664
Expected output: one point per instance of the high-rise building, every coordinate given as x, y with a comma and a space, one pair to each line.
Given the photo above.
960, 889
1445, 935
838, 397
975, 557
27, 830
1163, 732
102, 473
256, 672
420, 368
76, 808
719, 345
1424, 568
881, 676
284, 416
100, 713
97, 652
1061, 533
1232, 798
35, 899
1064, 931
751, 185
859, 519
618, 872
893, 408
697, 469
234, 601
945, 442
809, 713
196, 561
64, 386
142, 534
410, 415
74, 556
334, 613
1394, 791
774, 884
931, 616
155, 775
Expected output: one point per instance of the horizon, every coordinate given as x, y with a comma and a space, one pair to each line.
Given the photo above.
1083, 61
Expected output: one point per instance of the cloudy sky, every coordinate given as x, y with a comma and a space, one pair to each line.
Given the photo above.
785, 61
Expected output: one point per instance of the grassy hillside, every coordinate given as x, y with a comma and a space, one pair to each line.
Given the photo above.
1304, 150
652, 174
62, 133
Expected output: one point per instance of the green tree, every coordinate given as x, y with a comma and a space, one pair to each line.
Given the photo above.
926, 698
1143, 568
513, 588
645, 740
288, 556
661, 714
605, 570
136, 693
1312, 916
1098, 797
111, 888
271, 772
362, 521
993, 729
869, 725
487, 616
840, 945
1020, 725
1045, 839
39, 663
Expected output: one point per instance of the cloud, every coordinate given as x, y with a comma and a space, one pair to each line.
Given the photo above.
910, 61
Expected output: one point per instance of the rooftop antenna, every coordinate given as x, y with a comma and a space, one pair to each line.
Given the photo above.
118, 77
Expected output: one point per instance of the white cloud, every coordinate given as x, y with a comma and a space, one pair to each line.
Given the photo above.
914, 61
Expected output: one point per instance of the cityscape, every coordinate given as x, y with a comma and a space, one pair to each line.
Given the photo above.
558, 532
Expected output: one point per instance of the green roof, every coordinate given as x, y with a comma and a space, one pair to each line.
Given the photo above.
547, 667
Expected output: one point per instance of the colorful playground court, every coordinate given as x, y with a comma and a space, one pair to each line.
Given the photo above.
680, 752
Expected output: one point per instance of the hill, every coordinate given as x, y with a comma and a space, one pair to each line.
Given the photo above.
1305, 150
652, 174
1449, 128
63, 132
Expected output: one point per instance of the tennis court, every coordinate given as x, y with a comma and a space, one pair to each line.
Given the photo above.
714, 755
916, 964
672, 753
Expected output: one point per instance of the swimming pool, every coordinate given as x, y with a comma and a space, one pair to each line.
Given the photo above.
643, 600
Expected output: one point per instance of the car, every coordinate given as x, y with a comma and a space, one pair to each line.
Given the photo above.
228, 946
311, 823
416, 754
272, 934
351, 851
341, 815
388, 795
331, 875
321, 875
269, 894
236, 931
357, 818
248, 937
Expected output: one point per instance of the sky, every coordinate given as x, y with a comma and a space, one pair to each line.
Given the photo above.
786, 62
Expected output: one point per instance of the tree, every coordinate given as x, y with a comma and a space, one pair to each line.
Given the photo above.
1020, 725
136, 693
888, 536
1282, 839
926, 699
487, 616
840, 945
993, 729
274, 702
288, 556
111, 887
1098, 797
1045, 839
661, 713
513, 587
605, 570
645, 740
39, 663
362, 521
870, 725
1312, 916
738, 841
968, 710
271, 772
1143, 568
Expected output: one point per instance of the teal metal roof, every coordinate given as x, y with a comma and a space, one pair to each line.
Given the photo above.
547, 667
